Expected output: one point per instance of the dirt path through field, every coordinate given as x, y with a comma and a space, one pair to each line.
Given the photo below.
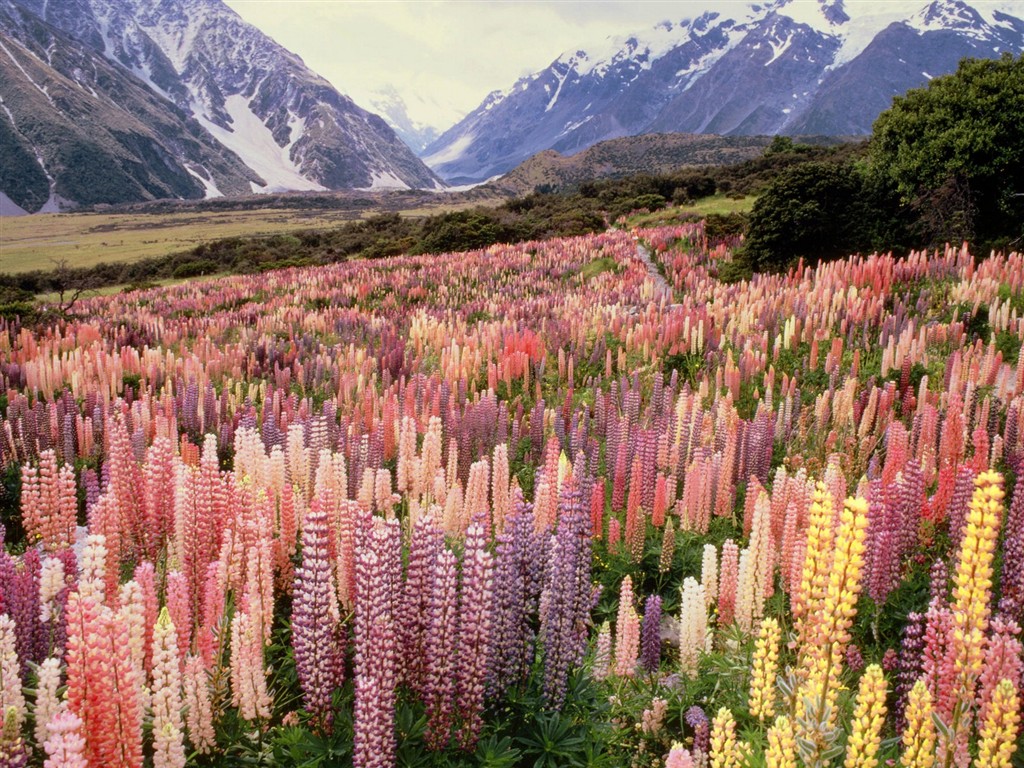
644, 254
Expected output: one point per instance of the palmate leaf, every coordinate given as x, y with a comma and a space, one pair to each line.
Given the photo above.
497, 752
552, 741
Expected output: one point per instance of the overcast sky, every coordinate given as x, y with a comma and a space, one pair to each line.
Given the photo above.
445, 56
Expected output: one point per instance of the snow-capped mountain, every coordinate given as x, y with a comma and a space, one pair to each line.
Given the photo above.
785, 66
75, 129
289, 127
418, 120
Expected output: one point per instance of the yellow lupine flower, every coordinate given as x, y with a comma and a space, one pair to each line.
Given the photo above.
972, 590
765, 669
868, 718
844, 577
723, 740
810, 593
919, 735
972, 597
999, 731
822, 653
781, 751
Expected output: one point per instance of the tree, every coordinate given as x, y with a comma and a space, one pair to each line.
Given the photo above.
69, 284
815, 211
955, 150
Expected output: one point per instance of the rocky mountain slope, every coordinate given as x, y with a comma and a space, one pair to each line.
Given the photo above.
787, 66
652, 153
198, 103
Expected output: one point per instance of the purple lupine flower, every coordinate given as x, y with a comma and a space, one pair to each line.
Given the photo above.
439, 651
908, 665
1012, 601
698, 721
568, 595
939, 581
517, 581
378, 573
963, 490
424, 548
19, 599
909, 498
854, 658
883, 558
90, 482
650, 634
316, 625
474, 633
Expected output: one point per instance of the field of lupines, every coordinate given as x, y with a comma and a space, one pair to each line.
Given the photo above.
539, 505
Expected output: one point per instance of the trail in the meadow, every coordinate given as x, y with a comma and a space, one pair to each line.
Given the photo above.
644, 254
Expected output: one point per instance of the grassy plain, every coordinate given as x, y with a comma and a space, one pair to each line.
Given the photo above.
87, 239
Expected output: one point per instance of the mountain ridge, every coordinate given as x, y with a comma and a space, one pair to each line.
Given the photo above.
788, 66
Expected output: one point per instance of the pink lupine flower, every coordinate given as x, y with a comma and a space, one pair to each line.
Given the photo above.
440, 663
65, 745
316, 629
168, 749
11, 696
627, 631
474, 633
198, 707
728, 583
248, 675
378, 573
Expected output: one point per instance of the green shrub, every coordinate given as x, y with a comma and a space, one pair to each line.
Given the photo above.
194, 269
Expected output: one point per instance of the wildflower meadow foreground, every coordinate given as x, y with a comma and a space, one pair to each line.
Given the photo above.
562, 503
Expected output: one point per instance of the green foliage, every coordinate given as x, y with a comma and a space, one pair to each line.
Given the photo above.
780, 145
1009, 344
813, 211
1016, 300
955, 150
721, 226
497, 752
551, 742
461, 231
651, 202
10, 507
598, 267
734, 271
689, 364
21, 176
16, 302
194, 269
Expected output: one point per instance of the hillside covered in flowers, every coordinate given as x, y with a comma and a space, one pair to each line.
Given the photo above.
576, 502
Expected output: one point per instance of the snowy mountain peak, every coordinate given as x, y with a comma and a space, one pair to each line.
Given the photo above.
824, 16
418, 120
777, 66
949, 15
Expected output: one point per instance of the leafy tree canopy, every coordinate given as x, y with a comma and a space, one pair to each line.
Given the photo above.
955, 149
812, 211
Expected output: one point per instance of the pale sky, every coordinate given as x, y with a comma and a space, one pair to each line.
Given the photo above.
444, 56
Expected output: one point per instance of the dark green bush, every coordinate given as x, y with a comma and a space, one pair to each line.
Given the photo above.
195, 268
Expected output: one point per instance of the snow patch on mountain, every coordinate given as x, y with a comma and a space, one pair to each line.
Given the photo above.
385, 180
453, 151
10, 208
209, 186
175, 41
779, 48
644, 50
252, 141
